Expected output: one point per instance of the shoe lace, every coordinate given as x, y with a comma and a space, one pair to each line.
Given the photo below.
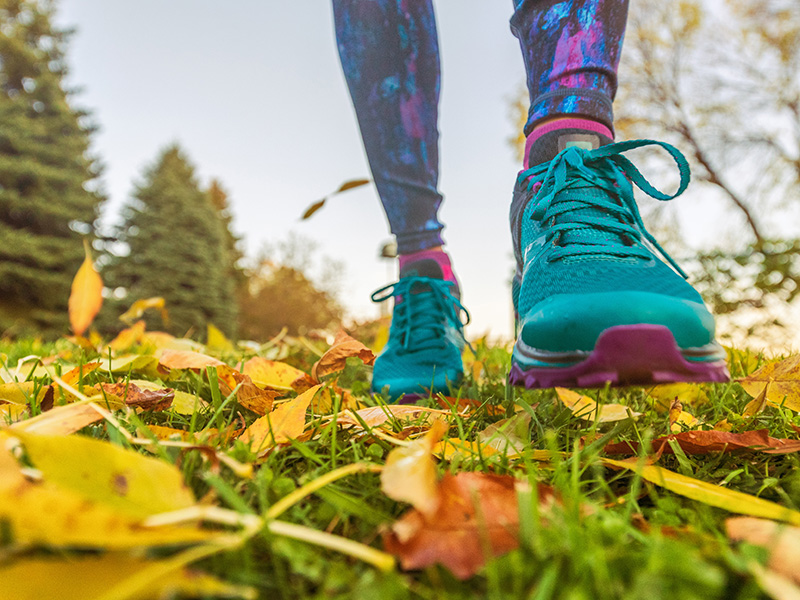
424, 309
586, 197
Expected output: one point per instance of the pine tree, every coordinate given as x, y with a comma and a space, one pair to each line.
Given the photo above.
48, 196
176, 248
219, 200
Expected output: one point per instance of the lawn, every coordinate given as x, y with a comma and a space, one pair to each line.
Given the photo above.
152, 466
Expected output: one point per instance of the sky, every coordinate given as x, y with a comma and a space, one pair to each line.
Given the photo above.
253, 91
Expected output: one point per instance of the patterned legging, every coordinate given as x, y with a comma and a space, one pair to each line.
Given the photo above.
390, 57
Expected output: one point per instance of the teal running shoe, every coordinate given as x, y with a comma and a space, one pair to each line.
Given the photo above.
595, 303
423, 354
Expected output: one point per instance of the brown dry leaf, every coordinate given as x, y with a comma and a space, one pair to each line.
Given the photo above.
248, 394
283, 424
132, 395
468, 405
128, 337
111, 575
271, 373
86, 294
336, 357
783, 378
783, 542
477, 512
688, 394
585, 408
410, 472
187, 359
61, 420
704, 442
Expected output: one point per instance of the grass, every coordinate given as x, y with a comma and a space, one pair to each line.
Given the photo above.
614, 536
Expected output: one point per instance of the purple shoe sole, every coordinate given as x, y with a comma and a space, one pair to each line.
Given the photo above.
625, 355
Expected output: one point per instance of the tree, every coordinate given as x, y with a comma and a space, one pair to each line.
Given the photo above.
175, 248
280, 292
219, 200
722, 82
49, 196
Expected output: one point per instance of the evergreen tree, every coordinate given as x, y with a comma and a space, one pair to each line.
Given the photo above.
219, 200
176, 248
48, 197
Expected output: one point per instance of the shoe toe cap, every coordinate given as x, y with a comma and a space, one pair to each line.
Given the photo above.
570, 322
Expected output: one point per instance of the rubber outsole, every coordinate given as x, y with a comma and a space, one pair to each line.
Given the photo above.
624, 355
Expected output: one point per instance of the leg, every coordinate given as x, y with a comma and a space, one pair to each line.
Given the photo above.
390, 56
595, 301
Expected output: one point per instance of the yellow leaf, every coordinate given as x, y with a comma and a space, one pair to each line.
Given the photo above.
123, 480
451, 447
378, 415
108, 576
137, 310
410, 472
688, 394
708, 493
22, 392
217, 342
128, 337
281, 425
184, 403
783, 378
381, 337
682, 421
45, 513
61, 420
86, 295
585, 408
12, 413
158, 340
757, 404
271, 373
146, 364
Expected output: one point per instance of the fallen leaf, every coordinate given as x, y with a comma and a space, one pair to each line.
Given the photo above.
187, 359
466, 405
335, 359
783, 379
410, 472
688, 394
509, 436
217, 342
158, 340
86, 294
131, 395
378, 415
271, 373
283, 424
679, 419
74, 376
585, 408
451, 447
109, 576
120, 479
61, 420
708, 493
128, 337
22, 392
137, 310
146, 364
758, 404
478, 513
782, 541
705, 442
183, 403
248, 394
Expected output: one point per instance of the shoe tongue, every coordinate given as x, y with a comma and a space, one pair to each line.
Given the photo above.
426, 267
588, 235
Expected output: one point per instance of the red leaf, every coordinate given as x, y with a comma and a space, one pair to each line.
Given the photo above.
704, 442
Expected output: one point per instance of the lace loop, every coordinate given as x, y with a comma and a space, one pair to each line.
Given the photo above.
583, 221
424, 310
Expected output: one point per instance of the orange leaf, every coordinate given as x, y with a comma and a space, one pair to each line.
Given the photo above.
128, 337
281, 425
478, 513
248, 394
336, 357
782, 541
86, 295
187, 359
704, 442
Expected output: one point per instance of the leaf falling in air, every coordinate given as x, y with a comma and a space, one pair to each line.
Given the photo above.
137, 310
86, 295
347, 185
